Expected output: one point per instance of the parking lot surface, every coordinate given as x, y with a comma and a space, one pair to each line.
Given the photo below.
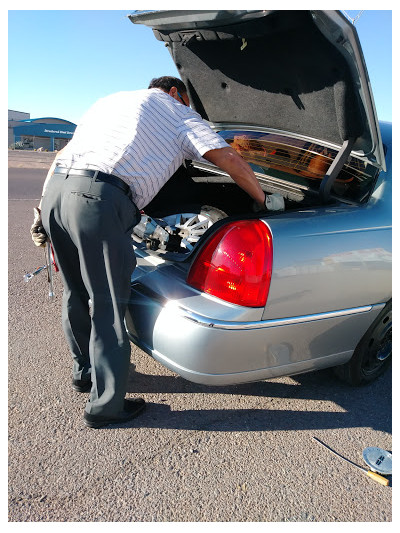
198, 454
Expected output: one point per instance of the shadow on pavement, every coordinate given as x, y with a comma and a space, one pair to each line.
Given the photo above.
367, 406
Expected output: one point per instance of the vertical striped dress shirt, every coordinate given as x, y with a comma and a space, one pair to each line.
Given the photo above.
140, 136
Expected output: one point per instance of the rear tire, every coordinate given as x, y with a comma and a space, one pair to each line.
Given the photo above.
373, 354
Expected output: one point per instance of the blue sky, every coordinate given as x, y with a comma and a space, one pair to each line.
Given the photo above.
60, 62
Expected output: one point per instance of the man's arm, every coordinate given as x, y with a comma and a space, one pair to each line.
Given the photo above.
230, 161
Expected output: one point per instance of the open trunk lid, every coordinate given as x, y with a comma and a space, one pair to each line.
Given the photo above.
294, 72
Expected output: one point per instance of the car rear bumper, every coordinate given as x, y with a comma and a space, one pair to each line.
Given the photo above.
216, 352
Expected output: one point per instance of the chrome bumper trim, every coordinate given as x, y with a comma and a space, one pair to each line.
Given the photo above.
262, 324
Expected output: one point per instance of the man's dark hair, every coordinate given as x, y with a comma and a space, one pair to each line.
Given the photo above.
166, 83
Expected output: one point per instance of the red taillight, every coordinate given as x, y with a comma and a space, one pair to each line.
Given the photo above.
236, 264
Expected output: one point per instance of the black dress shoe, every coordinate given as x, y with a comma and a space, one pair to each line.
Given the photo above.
81, 385
132, 408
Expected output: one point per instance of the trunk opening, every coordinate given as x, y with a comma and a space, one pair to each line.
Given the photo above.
197, 197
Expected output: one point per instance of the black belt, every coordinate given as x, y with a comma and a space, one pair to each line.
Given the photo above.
98, 175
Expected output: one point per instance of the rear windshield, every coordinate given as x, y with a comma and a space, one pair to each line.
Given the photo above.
301, 162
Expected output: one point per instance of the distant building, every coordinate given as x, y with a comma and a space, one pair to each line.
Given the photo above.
47, 133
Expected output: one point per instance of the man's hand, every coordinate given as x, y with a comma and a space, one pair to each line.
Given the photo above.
273, 202
39, 236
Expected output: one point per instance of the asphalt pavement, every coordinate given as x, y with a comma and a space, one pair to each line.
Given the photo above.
198, 454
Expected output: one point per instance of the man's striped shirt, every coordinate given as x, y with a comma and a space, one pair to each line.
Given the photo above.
142, 137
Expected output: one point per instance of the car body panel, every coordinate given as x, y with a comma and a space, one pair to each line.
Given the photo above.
322, 253
212, 352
